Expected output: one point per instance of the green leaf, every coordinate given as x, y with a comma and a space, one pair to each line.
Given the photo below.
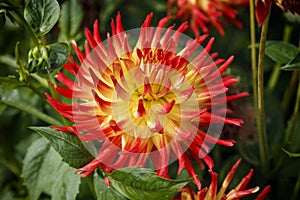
138, 183
58, 55
104, 192
66, 186
31, 172
67, 145
41, 15
293, 65
44, 171
69, 23
10, 82
281, 52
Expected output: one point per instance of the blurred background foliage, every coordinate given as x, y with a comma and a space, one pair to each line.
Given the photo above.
15, 137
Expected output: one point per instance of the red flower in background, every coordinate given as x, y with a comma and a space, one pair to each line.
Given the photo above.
202, 14
146, 103
212, 192
262, 8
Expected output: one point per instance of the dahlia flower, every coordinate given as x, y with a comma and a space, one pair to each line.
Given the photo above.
262, 8
211, 193
204, 13
149, 103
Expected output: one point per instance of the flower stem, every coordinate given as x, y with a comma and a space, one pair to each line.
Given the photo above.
31, 111
290, 133
296, 188
289, 91
260, 113
253, 52
276, 71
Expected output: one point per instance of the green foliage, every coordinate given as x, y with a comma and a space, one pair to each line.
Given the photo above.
46, 59
293, 65
106, 12
281, 52
140, 183
44, 172
22, 100
10, 82
42, 15
105, 192
2, 18
29, 71
67, 145
69, 22
58, 55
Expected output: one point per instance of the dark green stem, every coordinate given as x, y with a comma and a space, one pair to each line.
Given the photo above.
296, 189
253, 52
34, 89
276, 71
32, 111
290, 133
260, 113
289, 92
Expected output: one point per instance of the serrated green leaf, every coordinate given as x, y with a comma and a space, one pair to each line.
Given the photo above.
32, 166
281, 52
10, 82
138, 183
67, 145
104, 192
66, 186
42, 15
44, 171
69, 23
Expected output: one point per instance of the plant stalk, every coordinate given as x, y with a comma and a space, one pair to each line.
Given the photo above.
33, 112
253, 52
290, 133
296, 189
260, 113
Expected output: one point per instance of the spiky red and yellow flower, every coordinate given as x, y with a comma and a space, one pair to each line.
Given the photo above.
204, 13
211, 192
149, 102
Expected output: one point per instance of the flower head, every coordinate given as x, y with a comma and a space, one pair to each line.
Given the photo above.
212, 192
204, 13
263, 7
157, 100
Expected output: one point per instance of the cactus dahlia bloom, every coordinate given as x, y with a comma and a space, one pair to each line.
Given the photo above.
263, 7
203, 13
211, 192
150, 102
